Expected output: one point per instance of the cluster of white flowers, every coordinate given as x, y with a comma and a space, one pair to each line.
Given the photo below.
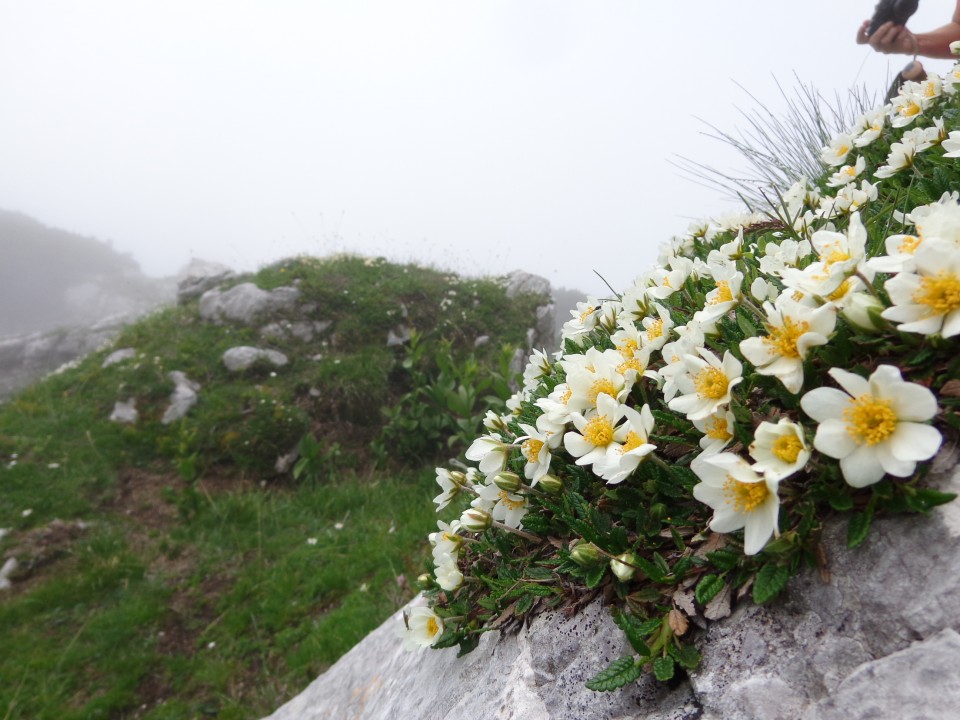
786, 289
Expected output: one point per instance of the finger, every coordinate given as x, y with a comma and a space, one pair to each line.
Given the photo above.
862, 36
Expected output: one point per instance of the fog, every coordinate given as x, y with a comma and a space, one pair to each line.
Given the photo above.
480, 137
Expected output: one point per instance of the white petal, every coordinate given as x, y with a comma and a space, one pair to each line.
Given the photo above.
833, 440
851, 382
914, 441
825, 403
861, 467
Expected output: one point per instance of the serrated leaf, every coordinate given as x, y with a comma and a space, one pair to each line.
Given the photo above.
649, 569
723, 559
859, 527
719, 607
617, 674
594, 576
686, 655
769, 582
524, 604
840, 502
708, 587
636, 630
925, 499
468, 645
664, 668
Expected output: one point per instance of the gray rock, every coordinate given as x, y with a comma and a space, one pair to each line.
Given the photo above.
119, 356
301, 330
244, 302
8, 569
198, 277
400, 335
878, 641
519, 282
183, 398
534, 675
244, 356
125, 412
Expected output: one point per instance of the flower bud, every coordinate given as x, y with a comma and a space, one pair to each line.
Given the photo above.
476, 520
955, 47
862, 310
508, 481
457, 478
424, 581
551, 484
585, 554
620, 569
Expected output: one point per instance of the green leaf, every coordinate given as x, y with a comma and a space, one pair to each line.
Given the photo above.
523, 605
723, 559
837, 502
636, 630
649, 569
468, 644
925, 499
859, 527
595, 576
769, 582
617, 674
686, 655
664, 668
707, 588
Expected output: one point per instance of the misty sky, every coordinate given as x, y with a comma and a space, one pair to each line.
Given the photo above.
480, 136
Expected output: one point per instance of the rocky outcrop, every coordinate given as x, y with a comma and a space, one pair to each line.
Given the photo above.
244, 302
244, 357
879, 641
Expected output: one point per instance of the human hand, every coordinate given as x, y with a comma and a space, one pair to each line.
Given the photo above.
888, 38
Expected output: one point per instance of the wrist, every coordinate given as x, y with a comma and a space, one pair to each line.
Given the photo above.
914, 45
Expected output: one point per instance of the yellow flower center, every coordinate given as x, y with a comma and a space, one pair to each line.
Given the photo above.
565, 398
835, 255
797, 295
508, 503
627, 348
849, 171
870, 420
909, 244
940, 293
840, 291
631, 364
655, 329
724, 294
432, 627
633, 442
787, 448
717, 428
843, 150
598, 431
666, 282
910, 109
586, 313
784, 339
601, 386
745, 497
531, 449
711, 383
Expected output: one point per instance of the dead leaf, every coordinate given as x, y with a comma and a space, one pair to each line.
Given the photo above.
719, 607
685, 601
951, 388
678, 622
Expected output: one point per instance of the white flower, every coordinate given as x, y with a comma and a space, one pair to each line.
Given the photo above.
447, 573
665, 282
873, 426
535, 446
792, 330
538, 366
423, 628
595, 372
717, 429
594, 434
490, 451
848, 173
835, 154
656, 331
506, 507
451, 483
622, 458
869, 126
740, 498
583, 321
927, 301
706, 383
780, 450
554, 406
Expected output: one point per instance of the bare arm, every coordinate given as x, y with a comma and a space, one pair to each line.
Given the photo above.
890, 38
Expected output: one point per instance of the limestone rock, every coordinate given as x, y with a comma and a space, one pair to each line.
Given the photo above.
198, 277
8, 569
183, 398
125, 412
244, 302
244, 357
301, 330
119, 356
879, 641
519, 282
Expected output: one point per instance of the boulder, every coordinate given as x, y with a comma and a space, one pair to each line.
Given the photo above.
119, 356
879, 641
244, 357
198, 277
125, 412
519, 282
244, 302
183, 398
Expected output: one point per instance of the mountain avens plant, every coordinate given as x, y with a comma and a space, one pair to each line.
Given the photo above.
685, 448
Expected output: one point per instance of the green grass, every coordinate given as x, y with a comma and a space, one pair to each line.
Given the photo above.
203, 583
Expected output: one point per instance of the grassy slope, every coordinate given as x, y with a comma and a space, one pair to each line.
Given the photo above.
187, 578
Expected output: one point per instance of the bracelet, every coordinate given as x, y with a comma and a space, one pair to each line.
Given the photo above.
915, 43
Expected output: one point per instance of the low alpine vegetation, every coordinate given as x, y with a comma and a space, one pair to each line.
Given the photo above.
689, 442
